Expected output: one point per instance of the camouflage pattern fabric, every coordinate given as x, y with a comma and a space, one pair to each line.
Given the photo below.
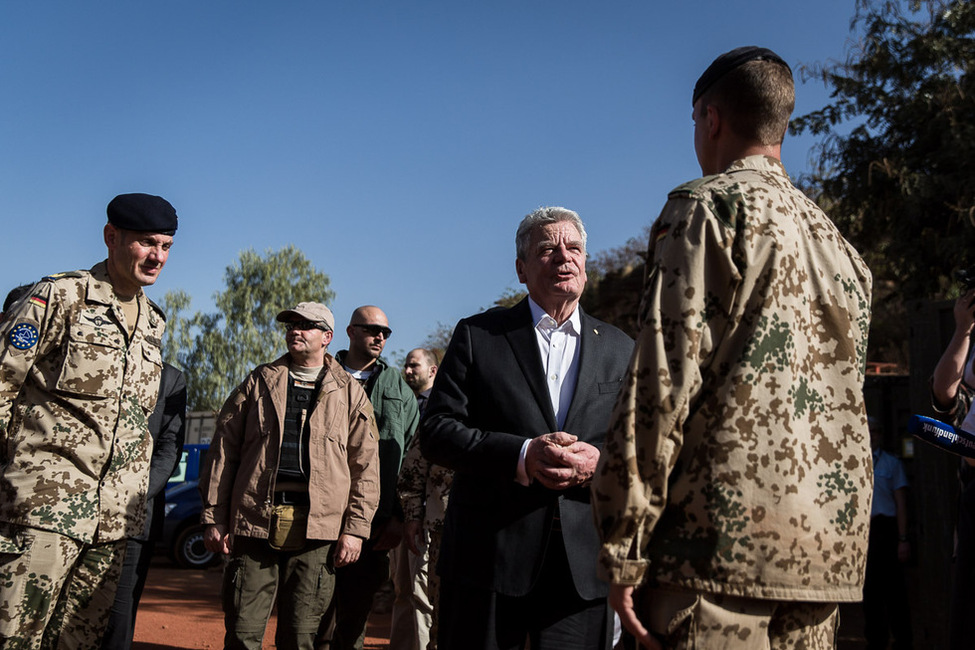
75, 395
738, 458
687, 621
55, 590
423, 488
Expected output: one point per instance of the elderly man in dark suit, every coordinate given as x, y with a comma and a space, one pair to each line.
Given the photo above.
519, 411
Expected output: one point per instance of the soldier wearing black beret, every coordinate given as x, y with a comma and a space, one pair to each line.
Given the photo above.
142, 213
81, 352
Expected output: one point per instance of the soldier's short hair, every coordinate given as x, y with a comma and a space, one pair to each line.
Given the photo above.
540, 217
756, 99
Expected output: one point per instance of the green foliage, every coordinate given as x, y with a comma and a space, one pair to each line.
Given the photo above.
898, 140
437, 340
510, 297
217, 350
630, 255
615, 283
178, 337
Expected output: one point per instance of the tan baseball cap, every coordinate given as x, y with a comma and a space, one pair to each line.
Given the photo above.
313, 311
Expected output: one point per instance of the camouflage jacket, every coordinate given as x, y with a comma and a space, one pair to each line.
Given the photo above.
75, 395
423, 489
738, 459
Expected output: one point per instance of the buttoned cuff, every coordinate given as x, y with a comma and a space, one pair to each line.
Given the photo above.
621, 572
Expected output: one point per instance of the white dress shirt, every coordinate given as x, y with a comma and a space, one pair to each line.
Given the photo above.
558, 346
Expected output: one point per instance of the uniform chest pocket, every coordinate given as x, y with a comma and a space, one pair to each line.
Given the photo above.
145, 384
94, 359
392, 417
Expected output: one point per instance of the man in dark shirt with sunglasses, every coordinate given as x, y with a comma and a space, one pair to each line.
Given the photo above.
397, 416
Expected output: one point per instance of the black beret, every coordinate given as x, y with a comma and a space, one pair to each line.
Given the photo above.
731, 60
143, 213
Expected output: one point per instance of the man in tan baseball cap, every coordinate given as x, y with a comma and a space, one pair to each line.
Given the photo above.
314, 312
303, 454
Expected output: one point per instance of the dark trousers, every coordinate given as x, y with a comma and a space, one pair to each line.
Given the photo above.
552, 616
885, 609
121, 618
344, 624
963, 581
302, 582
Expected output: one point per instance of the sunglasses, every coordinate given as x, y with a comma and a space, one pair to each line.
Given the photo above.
304, 325
375, 330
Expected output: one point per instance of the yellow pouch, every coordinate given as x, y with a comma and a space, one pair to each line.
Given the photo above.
289, 524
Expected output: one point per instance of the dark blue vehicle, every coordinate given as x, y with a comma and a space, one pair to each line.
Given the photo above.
182, 531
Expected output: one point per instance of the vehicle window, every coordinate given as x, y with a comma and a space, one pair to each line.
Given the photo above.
179, 473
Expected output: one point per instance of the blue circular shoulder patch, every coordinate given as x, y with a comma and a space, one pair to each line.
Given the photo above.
23, 336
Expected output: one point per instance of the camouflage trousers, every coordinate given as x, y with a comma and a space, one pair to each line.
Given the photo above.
403, 631
55, 591
688, 620
415, 610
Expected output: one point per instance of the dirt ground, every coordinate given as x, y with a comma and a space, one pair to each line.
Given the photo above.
180, 608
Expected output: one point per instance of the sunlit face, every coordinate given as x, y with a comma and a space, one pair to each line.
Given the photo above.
306, 341
555, 268
418, 371
368, 333
135, 259
699, 115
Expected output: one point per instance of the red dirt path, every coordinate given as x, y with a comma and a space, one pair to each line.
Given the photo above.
180, 608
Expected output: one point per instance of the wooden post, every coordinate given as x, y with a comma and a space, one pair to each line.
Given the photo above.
934, 487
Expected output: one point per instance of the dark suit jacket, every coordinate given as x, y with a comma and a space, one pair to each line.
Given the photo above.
489, 396
167, 424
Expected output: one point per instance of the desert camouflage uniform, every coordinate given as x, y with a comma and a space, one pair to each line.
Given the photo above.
423, 490
75, 394
738, 458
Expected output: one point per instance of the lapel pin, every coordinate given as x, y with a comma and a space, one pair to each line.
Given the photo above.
595, 331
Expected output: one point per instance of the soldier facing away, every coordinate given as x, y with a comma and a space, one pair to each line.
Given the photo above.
734, 487
80, 362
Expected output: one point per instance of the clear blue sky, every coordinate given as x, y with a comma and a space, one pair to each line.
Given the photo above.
397, 144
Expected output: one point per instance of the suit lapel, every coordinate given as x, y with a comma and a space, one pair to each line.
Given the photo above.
586, 381
521, 337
